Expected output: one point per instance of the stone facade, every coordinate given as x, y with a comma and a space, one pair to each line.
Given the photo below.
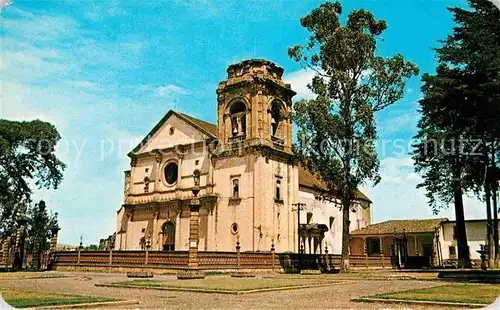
244, 167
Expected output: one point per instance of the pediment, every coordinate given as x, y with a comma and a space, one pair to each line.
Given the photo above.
175, 129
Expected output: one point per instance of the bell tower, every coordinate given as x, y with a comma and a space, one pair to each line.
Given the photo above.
255, 175
254, 105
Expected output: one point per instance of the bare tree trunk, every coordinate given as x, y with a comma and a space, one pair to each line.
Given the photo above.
463, 248
489, 226
495, 226
344, 264
495, 208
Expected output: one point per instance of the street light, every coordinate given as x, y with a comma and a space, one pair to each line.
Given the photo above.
299, 206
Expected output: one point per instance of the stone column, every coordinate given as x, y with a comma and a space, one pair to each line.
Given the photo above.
53, 239
194, 224
365, 247
128, 233
20, 238
154, 234
5, 250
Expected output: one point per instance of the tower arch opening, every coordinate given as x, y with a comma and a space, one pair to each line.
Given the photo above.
277, 113
237, 112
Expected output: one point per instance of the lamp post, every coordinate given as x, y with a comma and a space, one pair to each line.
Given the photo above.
299, 206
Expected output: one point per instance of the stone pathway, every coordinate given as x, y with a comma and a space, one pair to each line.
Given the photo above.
336, 296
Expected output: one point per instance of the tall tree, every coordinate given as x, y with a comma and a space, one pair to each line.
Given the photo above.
474, 47
27, 156
461, 104
337, 128
443, 155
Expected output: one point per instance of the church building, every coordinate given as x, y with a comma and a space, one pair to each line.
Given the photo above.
250, 184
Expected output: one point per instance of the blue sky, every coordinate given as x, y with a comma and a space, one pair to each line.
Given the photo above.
104, 72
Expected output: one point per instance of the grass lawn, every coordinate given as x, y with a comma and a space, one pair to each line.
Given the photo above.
18, 299
226, 283
467, 293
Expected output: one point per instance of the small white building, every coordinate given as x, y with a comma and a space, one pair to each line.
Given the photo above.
476, 235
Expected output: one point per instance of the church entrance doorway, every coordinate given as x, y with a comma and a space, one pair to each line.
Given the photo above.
168, 233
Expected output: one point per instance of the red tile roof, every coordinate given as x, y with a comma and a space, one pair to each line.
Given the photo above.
397, 226
309, 180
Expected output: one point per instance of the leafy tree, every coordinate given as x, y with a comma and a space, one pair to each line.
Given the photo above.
337, 128
467, 86
91, 247
474, 47
443, 153
27, 156
37, 234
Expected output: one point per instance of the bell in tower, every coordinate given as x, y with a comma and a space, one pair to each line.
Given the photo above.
254, 105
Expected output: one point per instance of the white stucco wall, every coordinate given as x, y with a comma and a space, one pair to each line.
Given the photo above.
476, 235
322, 211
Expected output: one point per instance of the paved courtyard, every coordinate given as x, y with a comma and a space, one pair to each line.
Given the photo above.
337, 295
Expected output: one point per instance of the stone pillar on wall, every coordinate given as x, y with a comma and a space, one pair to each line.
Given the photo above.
209, 246
128, 233
416, 245
53, 239
178, 228
5, 250
158, 160
154, 234
365, 247
381, 245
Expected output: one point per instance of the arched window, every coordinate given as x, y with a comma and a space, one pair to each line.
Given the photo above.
278, 190
238, 118
171, 172
196, 177
277, 115
236, 188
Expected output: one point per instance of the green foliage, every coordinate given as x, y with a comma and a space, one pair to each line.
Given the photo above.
460, 112
26, 157
445, 152
39, 222
91, 247
462, 104
337, 129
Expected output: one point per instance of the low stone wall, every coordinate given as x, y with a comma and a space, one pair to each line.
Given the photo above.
158, 261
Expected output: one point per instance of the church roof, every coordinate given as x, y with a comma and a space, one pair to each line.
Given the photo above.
397, 226
206, 126
309, 180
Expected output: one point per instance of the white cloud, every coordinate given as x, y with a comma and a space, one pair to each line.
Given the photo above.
41, 78
40, 27
299, 80
168, 89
